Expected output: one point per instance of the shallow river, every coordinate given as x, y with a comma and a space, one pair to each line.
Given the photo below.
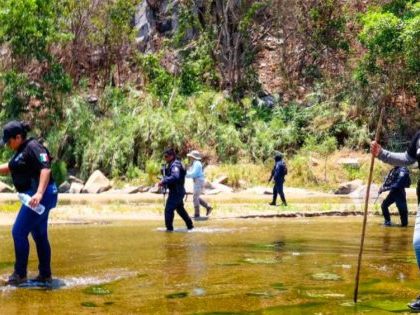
258, 266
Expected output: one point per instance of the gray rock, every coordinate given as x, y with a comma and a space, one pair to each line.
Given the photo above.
97, 183
64, 187
223, 179
73, 179
267, 101
144, 189
131, 189
156, 189
75, 188
360, 192
93, 99
222, 188
348, 187
145, 24
349, 162
4, 188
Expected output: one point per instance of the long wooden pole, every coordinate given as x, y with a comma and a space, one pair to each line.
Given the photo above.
362, 239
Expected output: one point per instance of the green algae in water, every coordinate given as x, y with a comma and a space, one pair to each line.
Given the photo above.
88, 304
6, 264
97, 290
177, 295
390, 306
326, 276
259, 261
278, 286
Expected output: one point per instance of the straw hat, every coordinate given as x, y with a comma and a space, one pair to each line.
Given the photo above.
195, 155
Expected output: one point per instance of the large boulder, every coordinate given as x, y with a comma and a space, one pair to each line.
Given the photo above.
222, 188
360, 192
4, 188
348, 187
73, 179
75, 188
64, 187
97, 183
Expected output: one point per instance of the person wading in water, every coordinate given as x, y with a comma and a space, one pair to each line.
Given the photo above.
30, 168
197, 174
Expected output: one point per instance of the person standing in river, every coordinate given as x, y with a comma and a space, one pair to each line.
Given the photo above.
406, 158
396, 182
174, 180
197, 174
30, 168
278, 174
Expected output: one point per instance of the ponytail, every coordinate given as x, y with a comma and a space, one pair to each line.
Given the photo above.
26, 127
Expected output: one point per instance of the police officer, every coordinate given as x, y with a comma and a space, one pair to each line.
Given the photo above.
397, 180
174, 179
278, 173
411, 156
30, 168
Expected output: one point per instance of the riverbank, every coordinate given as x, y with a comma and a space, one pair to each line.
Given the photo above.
106, 208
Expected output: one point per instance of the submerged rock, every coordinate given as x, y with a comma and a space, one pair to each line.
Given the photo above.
177, 295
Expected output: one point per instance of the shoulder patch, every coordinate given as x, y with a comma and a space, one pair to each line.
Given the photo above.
43, 157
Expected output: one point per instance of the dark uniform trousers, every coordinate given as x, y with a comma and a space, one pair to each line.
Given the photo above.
174, 203
398, 197
278, 189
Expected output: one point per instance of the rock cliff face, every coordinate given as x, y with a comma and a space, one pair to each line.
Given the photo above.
155, 18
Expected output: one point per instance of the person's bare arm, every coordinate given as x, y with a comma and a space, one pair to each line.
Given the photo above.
44, 179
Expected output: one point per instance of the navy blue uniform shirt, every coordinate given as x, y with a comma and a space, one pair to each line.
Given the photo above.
175, 178
398, 178
279, 171
27, 163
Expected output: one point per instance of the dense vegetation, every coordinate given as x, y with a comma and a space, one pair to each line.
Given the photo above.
73, 68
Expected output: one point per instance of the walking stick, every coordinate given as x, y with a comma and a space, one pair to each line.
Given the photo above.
362, 240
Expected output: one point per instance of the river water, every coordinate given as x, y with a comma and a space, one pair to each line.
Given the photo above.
249, 266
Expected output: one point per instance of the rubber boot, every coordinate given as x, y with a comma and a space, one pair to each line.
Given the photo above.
197, 212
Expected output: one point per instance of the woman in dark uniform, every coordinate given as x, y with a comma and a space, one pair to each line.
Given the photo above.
30, 168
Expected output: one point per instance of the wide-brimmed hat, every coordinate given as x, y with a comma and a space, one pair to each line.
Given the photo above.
195, 155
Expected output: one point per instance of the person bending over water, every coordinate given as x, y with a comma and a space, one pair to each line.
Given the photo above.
30, 168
